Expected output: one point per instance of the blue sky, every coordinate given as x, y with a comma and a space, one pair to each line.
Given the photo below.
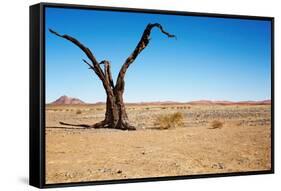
212, 58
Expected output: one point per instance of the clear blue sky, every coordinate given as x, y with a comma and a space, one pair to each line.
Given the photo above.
212, 58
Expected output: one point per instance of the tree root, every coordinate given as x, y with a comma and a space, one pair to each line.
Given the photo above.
102, 124
76, 125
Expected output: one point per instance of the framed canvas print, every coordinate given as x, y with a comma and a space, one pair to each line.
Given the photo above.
123, 95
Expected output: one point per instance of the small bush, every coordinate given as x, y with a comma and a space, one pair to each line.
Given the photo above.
78, 112
216, 124
169, 120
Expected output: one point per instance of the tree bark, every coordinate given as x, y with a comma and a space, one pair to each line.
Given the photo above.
115, 115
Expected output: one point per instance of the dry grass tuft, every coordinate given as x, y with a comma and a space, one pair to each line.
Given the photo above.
216, 124
79, 111
169, 120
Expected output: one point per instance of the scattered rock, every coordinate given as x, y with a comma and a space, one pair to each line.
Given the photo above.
104, 170
119, 171
218, 166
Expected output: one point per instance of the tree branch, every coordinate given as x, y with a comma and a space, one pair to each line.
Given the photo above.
140, 46
90, 66
86, 50
107, 72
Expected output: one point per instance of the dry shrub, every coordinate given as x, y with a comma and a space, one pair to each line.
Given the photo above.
216, 124
78, 111
239, 123
169, 120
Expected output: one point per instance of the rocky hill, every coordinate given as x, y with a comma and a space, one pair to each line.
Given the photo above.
67, 100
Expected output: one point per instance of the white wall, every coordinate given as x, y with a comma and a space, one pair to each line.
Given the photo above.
14, 38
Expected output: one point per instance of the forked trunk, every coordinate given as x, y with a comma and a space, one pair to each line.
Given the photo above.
115, 115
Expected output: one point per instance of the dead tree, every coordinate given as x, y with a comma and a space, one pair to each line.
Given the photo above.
115, 115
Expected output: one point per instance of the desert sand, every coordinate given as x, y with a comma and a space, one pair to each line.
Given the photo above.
76, 154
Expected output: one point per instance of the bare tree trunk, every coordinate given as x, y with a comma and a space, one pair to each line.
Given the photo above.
115, 115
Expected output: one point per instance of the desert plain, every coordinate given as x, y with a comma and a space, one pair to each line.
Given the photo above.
74, 154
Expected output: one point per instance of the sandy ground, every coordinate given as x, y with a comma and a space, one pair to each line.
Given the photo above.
76, 154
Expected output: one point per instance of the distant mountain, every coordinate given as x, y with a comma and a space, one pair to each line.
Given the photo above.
263, 102
158, 103
201, 102
204, 102
208, 102
67, 100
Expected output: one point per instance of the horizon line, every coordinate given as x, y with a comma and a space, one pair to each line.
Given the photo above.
170, 101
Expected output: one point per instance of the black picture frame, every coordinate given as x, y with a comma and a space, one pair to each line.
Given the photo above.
37, 94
